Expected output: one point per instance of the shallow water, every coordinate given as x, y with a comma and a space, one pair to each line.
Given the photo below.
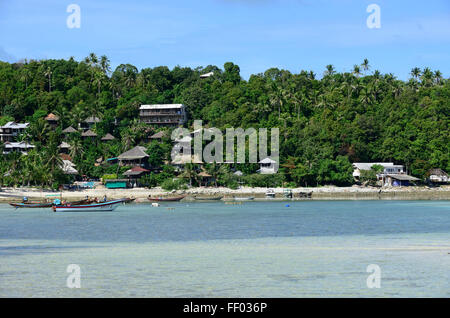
257, 249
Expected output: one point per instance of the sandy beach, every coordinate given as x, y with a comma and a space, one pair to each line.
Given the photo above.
319, 193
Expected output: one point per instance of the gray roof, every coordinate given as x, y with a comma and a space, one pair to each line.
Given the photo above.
137, 152
108, 136
89, 133
158, 135
162, 106
267, 160
403, 177
14, 125
92, 119
64, 145
22, 144
368, 165
437, 172
69, 129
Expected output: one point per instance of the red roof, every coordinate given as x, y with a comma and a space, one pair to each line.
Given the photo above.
65, 156
52, 116
139, 169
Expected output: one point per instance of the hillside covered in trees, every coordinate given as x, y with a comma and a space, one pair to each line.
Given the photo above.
326, 122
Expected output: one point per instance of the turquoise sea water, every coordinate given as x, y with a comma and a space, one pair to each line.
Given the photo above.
257, 249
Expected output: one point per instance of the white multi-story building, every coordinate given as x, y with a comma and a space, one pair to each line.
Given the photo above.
163, 114
12, 130
21, 147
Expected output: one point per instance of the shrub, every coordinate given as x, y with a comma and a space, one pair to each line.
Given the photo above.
174, 184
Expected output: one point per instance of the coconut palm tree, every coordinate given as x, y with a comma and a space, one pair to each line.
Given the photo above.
356, 70
365, 65
48, 73
190, 172
415, 72
438, 77
76, 148
330, 70
105, 64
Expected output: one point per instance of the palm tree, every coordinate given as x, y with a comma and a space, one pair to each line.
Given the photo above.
190, 172
127, 139
99, 76
427, 77
76, 148
39, 130
105, 64
48, 73
356, 70
438, 77
330, 70
365, 65
415, 72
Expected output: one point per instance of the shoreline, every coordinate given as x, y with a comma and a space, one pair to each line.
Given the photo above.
320, 193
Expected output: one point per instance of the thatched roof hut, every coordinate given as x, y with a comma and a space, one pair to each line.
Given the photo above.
69, 130
108, 137
88, 133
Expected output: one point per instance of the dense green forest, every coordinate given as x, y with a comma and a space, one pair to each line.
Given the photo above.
326, 121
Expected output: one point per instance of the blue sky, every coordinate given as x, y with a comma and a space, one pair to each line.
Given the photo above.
255, 34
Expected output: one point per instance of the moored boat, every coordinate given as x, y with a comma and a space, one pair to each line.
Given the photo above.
31, 205
243, 198
46, 204
169, 199
128, 200
208, 198
91, 207
270, 193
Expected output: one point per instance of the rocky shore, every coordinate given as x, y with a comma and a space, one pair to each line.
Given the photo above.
319, 193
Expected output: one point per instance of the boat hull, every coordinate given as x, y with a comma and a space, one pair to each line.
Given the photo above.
208, 198
31, 205
166, 199
243, 199
96, 207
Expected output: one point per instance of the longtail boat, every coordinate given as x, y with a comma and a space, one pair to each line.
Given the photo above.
161, 199
45, 204
31, 205
91, 207
128, 200
243, 198
208, 198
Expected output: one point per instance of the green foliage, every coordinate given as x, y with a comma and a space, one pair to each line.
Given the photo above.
171, 184
265, 180
325, 124
109, 176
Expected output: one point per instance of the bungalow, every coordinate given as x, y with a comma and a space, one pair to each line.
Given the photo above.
22, 147
108, 137
52, 120
64, 147
389, 167
205, 179
69, 130
158, 136
88, 134
12, 130
134, 157
267, 166
89, 122
392, 175
68, 167
134, 174
397, 180
438, 176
